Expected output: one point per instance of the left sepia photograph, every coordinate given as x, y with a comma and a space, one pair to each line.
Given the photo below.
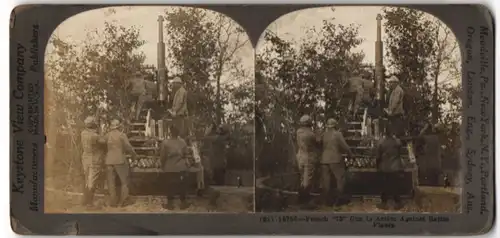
149, 110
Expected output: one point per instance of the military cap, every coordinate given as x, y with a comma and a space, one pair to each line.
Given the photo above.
305, 119
393, 79
176, 80
89, 121
115, 124
331, 123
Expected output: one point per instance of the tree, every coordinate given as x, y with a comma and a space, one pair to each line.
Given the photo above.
83, 78
409, 41
204, 47
424, 53
293, 80
445, 60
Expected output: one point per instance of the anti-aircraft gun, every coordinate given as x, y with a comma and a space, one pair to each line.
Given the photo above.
146, 134
363, 179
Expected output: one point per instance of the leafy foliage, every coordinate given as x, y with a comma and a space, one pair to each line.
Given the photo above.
85, 79
95, 74
308, 78
292, 81
204, 47
410, 49
91, 77
421, 50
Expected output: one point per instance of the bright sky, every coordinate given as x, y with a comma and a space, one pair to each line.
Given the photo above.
75, 29
290, 27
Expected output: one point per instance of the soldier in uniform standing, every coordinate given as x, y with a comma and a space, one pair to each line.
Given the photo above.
306, 157
332, 163
92, 161
176, 160
117, 166
395, 110
138, 93
355, 94
390, 168
179, 109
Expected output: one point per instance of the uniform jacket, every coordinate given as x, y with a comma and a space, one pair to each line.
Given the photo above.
307, 146
333, 146
368, 90
395, 106
179, 104
174, 155
118, 145
138, 86
355, 84
93, 147
388, 155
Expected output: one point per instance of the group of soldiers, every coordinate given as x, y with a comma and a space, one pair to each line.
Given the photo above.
106, 152
327, 149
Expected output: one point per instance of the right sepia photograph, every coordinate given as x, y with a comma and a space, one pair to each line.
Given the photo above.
358, 109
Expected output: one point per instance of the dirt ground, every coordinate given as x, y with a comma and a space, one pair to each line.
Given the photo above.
426, 200
64, 202
61, 198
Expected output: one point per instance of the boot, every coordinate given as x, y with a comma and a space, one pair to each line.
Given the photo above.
398, 204
124, 198
382, 206
168, 204
306, 200
184, 204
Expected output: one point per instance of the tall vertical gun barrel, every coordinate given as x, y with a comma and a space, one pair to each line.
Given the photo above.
379, 70
379, 64
161, 61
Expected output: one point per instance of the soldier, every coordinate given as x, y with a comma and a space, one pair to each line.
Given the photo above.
116, 163
176, 160
151, 92
306, 157
179, 109
390, 168
368, 89
92, 162
138, 93
355, 94
395, 110
332, 163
